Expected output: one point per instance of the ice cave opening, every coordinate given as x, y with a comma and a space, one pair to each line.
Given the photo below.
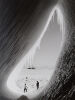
38, 65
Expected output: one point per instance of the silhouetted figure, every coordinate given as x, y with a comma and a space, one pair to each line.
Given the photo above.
37, 85
26, 78
25, 88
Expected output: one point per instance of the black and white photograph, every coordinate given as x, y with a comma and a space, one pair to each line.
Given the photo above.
37, 50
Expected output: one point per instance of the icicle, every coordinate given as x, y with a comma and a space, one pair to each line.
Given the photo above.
60, 19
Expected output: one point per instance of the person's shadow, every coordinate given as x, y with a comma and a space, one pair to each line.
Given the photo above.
23, 98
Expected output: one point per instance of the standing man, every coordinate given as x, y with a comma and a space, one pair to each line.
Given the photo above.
25, 88
37, 85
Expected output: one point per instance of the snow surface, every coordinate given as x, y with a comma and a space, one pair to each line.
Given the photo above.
31, 76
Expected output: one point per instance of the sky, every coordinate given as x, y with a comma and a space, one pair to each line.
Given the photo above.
50, 46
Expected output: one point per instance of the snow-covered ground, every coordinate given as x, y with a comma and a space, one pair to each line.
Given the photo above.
31, 76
